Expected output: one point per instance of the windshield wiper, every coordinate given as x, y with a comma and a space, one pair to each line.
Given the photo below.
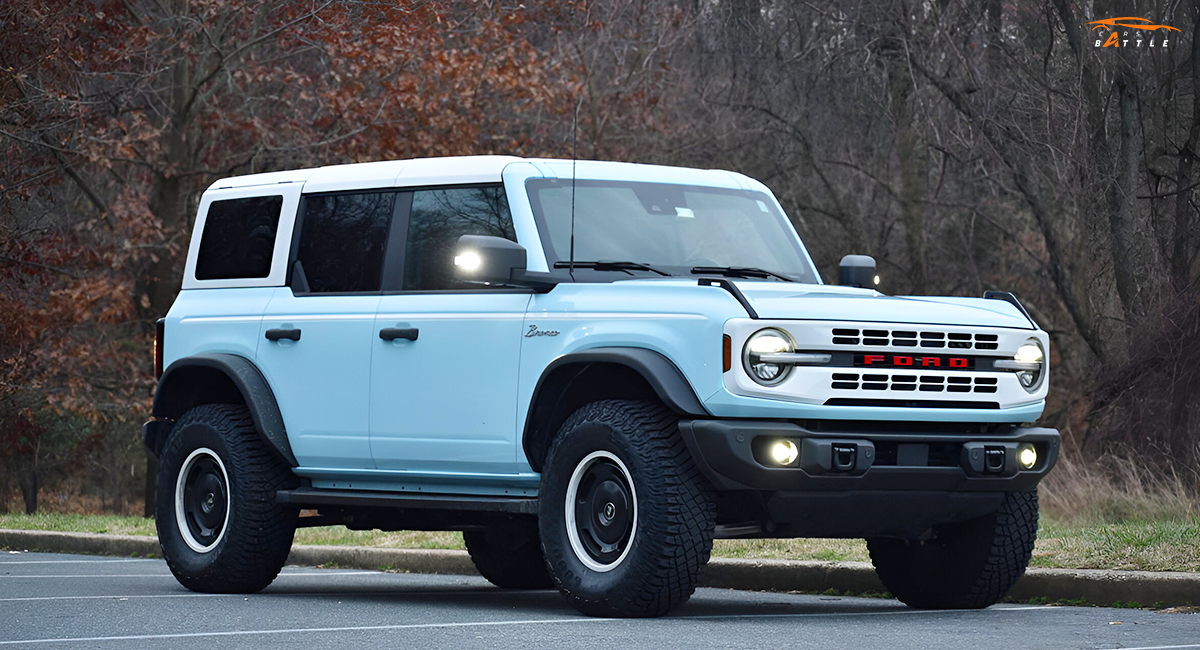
604, 265
738, 272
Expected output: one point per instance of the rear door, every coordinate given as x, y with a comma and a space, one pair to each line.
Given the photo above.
317, 333
443, 396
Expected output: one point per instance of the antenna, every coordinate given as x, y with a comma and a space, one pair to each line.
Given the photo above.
574, 131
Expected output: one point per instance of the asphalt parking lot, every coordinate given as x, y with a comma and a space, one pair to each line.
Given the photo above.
97, 602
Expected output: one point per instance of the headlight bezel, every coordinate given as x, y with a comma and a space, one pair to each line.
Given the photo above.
1039, 375
785, 369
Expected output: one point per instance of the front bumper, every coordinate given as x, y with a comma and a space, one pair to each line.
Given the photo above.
731, 454
864, 481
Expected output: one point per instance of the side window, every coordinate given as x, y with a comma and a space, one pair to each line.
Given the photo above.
342, 240
438, 218
238, 238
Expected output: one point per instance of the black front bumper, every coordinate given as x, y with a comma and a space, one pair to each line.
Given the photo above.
888, 482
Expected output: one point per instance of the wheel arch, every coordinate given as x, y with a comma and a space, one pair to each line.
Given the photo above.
575, 379
218, 378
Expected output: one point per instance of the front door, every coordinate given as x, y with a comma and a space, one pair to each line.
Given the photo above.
444, 383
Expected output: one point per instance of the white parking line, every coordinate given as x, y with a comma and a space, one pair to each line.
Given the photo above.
327, 594
114, 561
326, 572
188, 595
426, 626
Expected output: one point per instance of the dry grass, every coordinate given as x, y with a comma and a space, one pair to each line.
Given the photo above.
1114, 489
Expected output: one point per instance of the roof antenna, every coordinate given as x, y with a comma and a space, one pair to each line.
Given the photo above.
574, 131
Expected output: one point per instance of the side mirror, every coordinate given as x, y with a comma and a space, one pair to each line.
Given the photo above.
858, 271
489, 260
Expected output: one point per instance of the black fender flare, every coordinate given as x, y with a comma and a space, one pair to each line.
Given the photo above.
663, 376
178, 391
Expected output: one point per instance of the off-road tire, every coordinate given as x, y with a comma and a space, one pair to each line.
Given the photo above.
510, 557
966, 565
670, 540
256, 537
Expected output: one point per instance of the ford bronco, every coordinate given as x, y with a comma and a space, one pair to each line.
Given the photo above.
592, 370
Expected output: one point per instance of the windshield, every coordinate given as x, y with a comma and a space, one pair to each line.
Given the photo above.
669, 227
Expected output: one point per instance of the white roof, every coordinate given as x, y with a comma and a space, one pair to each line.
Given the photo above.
387, 173
461, 170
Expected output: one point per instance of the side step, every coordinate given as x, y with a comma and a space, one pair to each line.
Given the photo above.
407, 500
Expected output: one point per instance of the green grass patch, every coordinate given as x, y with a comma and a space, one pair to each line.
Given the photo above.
1158, 545
1161, 545
109, 524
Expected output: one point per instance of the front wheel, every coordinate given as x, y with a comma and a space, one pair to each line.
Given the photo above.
219, 526
626, 517
965, 565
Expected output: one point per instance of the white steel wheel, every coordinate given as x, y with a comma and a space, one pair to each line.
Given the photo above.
601, 511
202, 500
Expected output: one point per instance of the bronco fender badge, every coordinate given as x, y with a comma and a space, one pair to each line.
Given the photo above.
534, 331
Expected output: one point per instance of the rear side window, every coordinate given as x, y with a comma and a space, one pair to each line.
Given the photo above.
238, 238
342, 241
437, 220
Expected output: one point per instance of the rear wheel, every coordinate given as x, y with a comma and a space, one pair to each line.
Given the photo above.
626, 518
966, 565
509, 556
219, 526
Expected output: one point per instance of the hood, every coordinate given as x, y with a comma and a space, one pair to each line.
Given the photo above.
832, 303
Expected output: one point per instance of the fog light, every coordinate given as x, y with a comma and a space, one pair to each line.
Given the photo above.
1027, 457
785, 452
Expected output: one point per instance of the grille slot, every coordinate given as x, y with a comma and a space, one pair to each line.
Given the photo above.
986, 342
908, 383
912, 339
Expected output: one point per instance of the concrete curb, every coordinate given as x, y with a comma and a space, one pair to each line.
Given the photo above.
1090, 586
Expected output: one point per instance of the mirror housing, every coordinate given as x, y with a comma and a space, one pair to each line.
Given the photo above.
858, 271
489, 260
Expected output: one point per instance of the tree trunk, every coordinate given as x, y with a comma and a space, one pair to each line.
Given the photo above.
27, 480
911, 155
1181, 255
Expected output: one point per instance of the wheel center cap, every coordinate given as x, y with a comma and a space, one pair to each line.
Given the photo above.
209, 500
610, 511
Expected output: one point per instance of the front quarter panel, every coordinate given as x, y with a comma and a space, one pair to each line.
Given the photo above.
678, 319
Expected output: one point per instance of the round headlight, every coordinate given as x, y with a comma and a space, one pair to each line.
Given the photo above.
767, 341
1029, 353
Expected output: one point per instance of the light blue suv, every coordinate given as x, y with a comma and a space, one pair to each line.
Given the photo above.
592, 369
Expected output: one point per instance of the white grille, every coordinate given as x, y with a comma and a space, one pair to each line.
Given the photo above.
957, 383
915, 338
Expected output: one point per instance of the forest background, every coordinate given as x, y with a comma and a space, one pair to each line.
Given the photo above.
966, 144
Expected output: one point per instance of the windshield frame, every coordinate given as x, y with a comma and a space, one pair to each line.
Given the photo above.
808, 272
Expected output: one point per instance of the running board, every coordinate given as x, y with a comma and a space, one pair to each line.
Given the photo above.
406, 500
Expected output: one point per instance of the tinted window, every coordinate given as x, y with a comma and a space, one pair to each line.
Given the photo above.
342, 240
239, 235
438, 219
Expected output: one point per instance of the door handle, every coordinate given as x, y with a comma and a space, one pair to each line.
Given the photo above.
393, 333
276, 334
